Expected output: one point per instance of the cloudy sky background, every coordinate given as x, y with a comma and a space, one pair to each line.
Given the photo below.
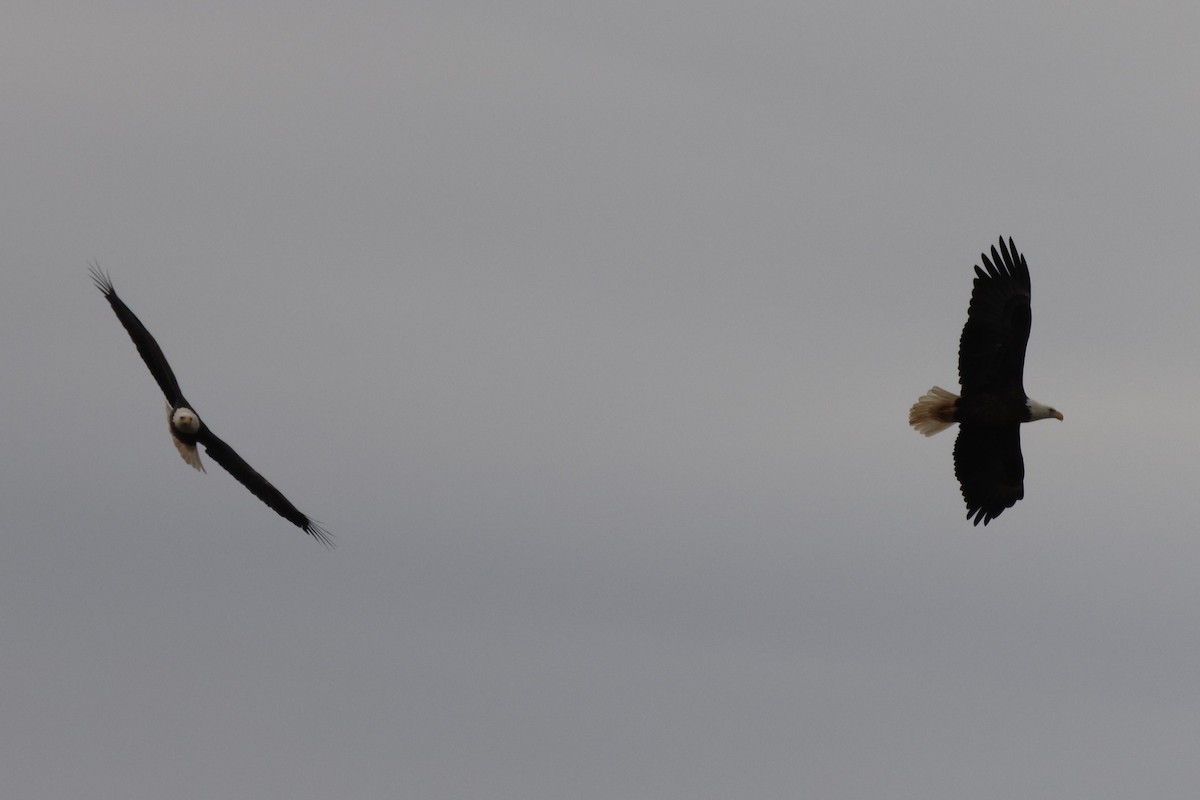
590, 331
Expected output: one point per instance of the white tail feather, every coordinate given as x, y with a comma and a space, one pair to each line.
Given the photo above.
934, 412
189, 452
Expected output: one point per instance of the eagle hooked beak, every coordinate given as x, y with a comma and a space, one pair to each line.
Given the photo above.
1057, 415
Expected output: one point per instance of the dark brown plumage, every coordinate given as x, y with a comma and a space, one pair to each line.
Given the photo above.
188, 430
993, 403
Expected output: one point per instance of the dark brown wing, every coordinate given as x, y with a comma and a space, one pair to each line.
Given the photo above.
991, 352
990, 469
259, 486
151, 353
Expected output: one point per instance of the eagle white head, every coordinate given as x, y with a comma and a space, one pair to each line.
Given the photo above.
184, 420
1039, 411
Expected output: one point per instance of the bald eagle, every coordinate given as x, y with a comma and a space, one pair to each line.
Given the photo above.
993, 403
188, 430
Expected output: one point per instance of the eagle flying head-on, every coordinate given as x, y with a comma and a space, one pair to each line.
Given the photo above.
188, 429
992, 404
183, 424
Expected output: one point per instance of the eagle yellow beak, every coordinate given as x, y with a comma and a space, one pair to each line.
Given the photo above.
1058, 415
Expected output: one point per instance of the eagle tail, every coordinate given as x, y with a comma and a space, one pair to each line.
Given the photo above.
934, 412
189, 453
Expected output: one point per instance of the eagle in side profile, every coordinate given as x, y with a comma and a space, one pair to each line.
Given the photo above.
993, 403
188, 430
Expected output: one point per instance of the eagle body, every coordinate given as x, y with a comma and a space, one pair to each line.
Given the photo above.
992, 404
990, 409
188, 429
184, 425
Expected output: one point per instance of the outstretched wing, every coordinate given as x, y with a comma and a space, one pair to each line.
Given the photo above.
990, 469
259, 486
151, 353
991, 352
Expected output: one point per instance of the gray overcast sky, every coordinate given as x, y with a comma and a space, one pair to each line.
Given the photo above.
590, 329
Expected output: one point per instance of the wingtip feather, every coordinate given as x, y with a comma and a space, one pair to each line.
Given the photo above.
315, 530
100, 278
